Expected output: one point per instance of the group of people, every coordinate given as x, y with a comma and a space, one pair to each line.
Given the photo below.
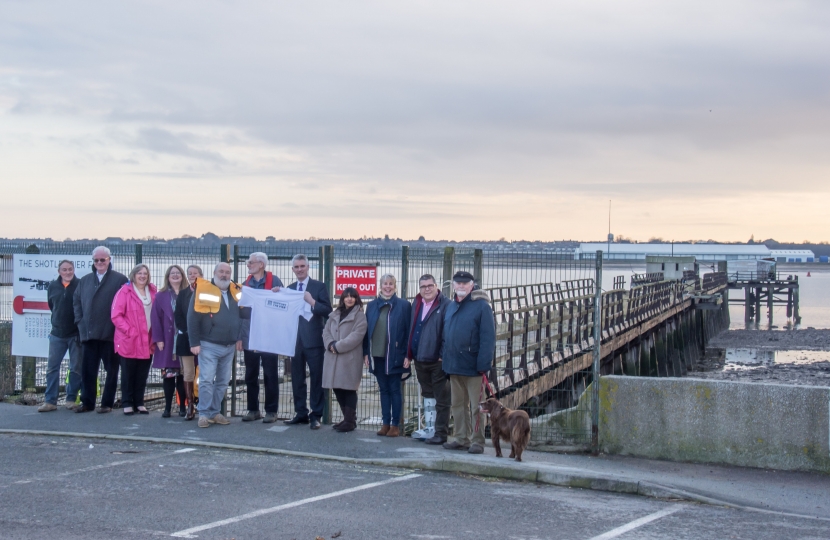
129, 325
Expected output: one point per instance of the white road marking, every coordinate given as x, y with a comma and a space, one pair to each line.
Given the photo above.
150, 457
189, 533
370, 440
619, 531
278, 429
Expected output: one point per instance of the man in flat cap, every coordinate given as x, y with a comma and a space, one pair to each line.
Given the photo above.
469, 342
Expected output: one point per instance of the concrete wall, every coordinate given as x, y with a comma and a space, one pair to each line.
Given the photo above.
748, 424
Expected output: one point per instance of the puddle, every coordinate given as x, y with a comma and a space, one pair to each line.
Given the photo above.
736, 359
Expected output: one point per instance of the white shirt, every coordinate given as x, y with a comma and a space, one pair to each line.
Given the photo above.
275, 318
305, 284
225, 298
100, 276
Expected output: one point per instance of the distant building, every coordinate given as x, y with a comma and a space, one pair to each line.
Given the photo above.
792, 255
701, 252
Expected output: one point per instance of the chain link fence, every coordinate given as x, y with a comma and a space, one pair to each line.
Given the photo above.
515, 281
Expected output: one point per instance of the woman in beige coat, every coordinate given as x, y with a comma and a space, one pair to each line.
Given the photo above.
343, 363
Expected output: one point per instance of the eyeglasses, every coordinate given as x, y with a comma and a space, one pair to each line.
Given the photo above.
427, 287
100, 260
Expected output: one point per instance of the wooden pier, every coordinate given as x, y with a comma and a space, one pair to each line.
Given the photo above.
766, 289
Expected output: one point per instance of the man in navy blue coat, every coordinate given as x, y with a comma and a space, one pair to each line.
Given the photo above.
469, 343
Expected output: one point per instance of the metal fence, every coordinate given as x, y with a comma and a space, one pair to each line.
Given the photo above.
508, 272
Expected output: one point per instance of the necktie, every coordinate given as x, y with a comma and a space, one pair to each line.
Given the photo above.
300, 287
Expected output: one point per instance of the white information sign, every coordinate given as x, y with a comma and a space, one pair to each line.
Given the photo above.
31, 318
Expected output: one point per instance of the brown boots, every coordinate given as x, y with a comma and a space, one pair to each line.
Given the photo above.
191, 407
389, 431
349, 422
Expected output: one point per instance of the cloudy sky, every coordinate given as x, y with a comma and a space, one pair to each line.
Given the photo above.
452, 120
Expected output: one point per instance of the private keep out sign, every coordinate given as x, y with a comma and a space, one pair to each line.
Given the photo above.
364, 278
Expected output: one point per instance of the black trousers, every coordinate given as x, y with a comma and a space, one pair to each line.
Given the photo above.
270, 376
346, 398
134, 373
314, 358
434, 384
95, 352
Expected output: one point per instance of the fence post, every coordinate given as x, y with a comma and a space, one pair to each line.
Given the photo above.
327, 264
139, 253
597, 327
225, 256
235, 278
236, 263
28, 364
449, 263
478, 267
321, 258
404, 272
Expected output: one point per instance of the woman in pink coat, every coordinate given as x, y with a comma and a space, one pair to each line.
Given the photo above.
130, 314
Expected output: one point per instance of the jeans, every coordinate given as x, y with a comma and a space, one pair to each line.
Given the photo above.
391, 397
215, 366
314, 358
95, 352
57, 350
134, 372
434, 384
270, 376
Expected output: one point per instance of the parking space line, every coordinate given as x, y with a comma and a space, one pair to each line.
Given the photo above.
619, 531
189, 533
91, 468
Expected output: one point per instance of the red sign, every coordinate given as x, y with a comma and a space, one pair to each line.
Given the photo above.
364, 278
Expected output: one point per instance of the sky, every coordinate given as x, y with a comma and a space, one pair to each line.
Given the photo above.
452, 120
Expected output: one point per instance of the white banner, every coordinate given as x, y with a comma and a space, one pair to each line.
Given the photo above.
31, 318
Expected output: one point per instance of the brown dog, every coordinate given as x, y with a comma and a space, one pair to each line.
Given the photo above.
507, 425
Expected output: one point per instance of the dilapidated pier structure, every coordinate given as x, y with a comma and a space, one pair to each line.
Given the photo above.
767, 289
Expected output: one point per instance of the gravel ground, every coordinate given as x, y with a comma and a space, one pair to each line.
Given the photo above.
799, 357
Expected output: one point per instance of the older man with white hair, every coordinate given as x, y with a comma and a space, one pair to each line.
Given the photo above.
259, 278
213, 327
92, 303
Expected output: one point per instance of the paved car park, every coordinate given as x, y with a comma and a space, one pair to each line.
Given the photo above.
102, 489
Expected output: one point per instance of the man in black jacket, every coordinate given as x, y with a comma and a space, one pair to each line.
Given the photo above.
309, 349
425, 340
92, 304
62, 338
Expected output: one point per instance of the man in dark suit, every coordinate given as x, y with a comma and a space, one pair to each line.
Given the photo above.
309, 349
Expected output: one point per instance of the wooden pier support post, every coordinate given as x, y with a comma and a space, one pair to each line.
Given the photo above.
796, 314
770, 297
747, 303
789, 303
758, 304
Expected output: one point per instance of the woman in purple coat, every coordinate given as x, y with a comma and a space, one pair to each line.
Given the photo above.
164, 335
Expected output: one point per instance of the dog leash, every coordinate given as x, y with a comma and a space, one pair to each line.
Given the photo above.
482, 391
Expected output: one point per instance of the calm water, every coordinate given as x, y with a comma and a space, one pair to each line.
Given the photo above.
751, 358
